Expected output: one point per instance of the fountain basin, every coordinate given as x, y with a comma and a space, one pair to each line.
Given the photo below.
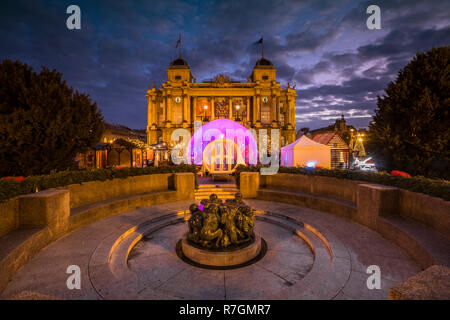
225, 258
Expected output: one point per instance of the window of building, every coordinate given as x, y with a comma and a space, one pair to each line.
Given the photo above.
281, 114
265, 114
265, 77
265, 111
177, 77
177, 113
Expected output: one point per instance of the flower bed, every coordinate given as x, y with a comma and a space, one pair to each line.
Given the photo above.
433, 187
14, 186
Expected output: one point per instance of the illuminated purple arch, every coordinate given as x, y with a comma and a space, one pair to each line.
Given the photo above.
227, 129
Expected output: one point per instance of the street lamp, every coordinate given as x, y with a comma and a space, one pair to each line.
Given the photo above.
205, 119
237, 113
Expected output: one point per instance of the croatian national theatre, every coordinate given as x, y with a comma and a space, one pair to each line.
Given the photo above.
259, 103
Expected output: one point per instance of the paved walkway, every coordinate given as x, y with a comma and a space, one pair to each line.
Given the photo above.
281, 274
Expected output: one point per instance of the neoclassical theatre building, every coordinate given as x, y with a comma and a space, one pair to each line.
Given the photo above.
259, 103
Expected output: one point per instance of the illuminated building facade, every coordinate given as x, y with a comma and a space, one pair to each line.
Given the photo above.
259, 103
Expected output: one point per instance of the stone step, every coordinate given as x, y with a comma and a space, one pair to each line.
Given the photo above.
224, 196
217, 192
203, 186
227, 189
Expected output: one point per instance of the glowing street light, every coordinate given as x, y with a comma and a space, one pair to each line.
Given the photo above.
237, 113
206, 108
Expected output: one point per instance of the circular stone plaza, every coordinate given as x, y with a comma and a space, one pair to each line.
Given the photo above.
323, 238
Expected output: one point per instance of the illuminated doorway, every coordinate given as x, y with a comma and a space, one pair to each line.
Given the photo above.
222, 156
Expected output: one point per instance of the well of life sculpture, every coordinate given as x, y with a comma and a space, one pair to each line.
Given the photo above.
221, 225
221, 233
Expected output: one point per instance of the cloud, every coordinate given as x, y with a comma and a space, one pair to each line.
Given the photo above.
339, 65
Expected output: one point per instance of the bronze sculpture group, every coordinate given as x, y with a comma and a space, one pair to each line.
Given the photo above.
220, 224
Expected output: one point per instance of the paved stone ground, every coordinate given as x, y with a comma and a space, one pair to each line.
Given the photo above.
156, 265
155, 262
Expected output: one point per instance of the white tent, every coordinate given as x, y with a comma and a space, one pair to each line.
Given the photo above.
306, 152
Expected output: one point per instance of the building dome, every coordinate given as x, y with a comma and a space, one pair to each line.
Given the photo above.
179, 63
263, 63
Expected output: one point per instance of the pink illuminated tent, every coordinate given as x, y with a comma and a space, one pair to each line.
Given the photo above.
306, 153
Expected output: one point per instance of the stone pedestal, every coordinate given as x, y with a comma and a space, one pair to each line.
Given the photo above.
184, 183
50, 208
373, 201
221, 258
249, 184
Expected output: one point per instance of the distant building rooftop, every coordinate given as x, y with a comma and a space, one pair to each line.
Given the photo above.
324, 138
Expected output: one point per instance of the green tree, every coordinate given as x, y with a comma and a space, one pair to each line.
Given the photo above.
411, 127
43, 122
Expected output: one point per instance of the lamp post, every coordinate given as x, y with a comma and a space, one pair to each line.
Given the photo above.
237, 113
205, 119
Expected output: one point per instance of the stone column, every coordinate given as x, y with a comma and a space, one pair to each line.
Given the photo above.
183, 107
258, 107
292, 112
272, 109
169, 108
149, 112
194, 118
164, 108
186, 114
288, 111
254, 109
277, 109
213, 111
154, 112
230, 106
248, 108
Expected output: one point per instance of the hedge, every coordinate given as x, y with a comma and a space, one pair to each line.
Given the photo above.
433, 187
11, 187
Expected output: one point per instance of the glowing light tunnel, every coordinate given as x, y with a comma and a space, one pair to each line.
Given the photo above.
224, 130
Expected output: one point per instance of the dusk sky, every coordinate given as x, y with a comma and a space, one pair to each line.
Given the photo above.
339, 66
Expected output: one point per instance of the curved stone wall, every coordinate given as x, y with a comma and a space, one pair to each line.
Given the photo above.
327, 186
30, 222
417, 223
431, 211
9, 216
95, 191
